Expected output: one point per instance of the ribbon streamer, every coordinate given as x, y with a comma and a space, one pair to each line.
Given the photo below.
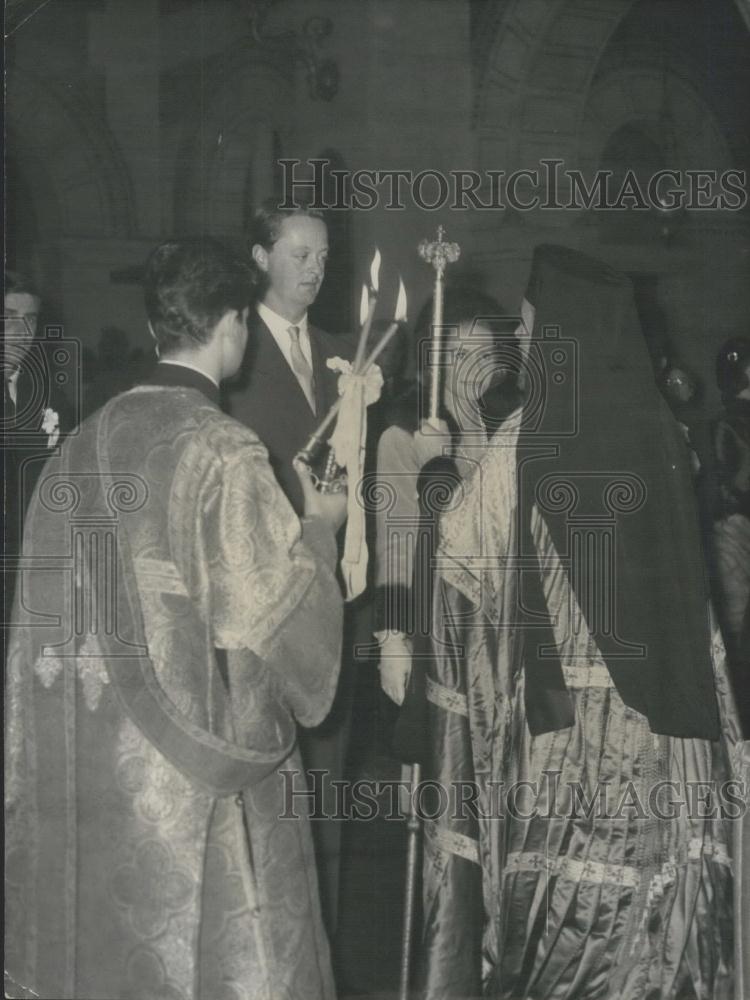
356, 392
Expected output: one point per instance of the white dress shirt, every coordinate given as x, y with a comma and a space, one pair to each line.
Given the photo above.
279, 328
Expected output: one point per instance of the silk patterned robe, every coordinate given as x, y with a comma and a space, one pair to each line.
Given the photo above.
533, 895
178, 624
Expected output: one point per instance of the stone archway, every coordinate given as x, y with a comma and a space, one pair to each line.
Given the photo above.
548, 90
537, 78
631, 99
553, 86
226, 152
635, 94
537, 59
79, 215
73, 168
543, 94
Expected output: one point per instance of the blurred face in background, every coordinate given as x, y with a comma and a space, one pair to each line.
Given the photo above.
475, 368
21, 317
679, 385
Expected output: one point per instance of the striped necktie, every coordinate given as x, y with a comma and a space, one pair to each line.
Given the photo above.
301, 367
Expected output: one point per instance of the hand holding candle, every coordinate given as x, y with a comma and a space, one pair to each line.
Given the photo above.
360, 367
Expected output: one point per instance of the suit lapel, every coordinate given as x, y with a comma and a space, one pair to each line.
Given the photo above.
268, 370
270, 367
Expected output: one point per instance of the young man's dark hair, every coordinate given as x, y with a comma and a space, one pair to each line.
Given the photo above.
189, 285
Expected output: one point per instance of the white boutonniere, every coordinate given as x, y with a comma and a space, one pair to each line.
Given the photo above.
51, 426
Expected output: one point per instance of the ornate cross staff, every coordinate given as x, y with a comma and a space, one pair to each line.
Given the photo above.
439, 253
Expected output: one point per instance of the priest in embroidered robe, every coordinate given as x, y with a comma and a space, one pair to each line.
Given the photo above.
178, 619
576, 692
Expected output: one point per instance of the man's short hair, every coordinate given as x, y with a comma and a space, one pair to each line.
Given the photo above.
18, 283
265, 227
189, 285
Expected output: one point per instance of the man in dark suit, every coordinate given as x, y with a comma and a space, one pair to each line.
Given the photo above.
285, 388
283, 393
35, 414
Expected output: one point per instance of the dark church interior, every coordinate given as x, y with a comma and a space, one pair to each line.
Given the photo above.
131, 122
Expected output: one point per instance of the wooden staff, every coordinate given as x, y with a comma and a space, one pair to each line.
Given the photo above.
438, 253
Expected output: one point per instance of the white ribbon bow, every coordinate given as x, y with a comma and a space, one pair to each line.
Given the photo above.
348, 442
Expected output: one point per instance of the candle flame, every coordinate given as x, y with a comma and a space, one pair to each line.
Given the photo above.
375, 270
364, 305
400, 315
